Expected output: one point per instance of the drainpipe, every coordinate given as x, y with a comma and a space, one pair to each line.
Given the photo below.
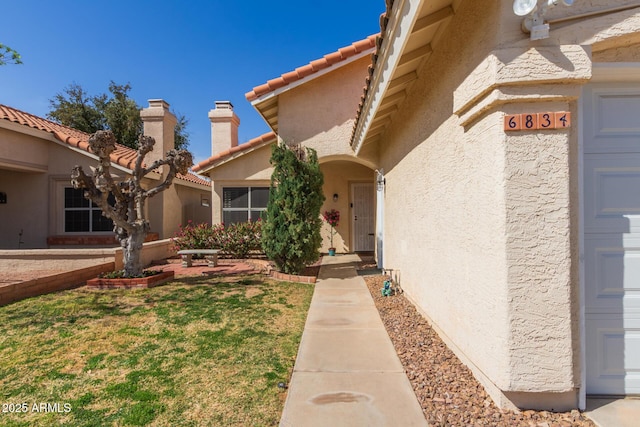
380, 187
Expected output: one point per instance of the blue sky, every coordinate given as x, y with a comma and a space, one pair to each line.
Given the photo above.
189, 53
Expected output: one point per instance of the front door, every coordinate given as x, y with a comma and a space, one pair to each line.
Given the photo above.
611, 147
363, 217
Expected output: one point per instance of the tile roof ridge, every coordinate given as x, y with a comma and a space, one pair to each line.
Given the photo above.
314, 66
252, 143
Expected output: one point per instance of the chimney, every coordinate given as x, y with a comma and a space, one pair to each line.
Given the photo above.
159, 123
224, 127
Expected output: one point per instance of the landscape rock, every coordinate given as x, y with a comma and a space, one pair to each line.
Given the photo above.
446, 389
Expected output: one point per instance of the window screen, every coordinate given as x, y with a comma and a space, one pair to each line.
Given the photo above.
241, 204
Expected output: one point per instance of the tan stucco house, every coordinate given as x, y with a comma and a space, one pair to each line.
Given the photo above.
315, 106
40, 209
494, 161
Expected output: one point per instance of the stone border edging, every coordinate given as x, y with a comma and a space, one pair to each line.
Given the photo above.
292, 277
265, 267
133, 282
56, 282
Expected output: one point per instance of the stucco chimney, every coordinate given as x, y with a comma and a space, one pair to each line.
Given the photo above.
159, 123
224, 127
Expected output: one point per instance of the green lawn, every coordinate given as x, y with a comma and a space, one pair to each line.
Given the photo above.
194, 352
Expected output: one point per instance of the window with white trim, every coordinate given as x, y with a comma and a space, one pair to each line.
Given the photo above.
81, 215
241, 204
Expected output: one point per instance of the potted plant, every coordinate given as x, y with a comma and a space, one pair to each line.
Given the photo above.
332, 217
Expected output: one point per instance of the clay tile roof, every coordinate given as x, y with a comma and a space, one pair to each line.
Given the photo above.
20, 117
192, 177
122, 155
384, 20
313, 67
266, 138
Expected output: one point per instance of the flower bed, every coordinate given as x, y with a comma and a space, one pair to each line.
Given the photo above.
132, 282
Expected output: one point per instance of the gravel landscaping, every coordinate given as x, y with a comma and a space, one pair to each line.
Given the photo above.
446, 389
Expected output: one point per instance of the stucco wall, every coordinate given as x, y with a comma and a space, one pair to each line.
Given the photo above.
320, 114
26, 210
483, 223
192, 200
20, 151
36, 200
478, 221
619, 54
445, 201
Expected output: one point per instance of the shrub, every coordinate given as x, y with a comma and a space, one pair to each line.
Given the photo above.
198, 236
236, 240
240, 239
291, 233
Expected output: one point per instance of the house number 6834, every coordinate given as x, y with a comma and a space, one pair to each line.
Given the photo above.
537, 121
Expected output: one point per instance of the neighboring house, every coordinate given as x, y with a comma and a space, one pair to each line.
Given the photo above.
507, 181
40, 209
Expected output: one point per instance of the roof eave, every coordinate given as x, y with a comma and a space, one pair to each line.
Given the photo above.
313, 76
51, 137
186, 183
207, 166
394, 40
406, 46
268, 99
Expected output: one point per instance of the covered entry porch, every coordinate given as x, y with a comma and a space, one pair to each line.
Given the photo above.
349, 188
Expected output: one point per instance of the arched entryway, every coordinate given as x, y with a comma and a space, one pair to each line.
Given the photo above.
349, 188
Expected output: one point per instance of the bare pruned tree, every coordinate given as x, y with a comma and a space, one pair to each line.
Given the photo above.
127, 213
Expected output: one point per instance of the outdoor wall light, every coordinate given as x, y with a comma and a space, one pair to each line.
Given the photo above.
380, 180
335, 197
3, 198
533, 22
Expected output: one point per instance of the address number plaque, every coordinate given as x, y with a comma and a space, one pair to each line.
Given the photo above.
537, 121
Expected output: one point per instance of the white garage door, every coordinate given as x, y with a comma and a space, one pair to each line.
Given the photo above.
612, 238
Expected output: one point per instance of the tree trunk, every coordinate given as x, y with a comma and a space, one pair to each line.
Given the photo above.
128, 212
131, 250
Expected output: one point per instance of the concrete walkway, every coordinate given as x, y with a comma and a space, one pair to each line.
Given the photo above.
347, 372
614, 412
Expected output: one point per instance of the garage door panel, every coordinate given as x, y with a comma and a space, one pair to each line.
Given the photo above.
612, 274
616, 369
612, 121
612, 193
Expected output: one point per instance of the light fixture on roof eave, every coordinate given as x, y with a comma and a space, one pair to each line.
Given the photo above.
533, 22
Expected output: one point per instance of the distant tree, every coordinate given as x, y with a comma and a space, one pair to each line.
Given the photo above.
76, 109
180, 133
127, 214
9, 56
122, 115
116, 112
291, 232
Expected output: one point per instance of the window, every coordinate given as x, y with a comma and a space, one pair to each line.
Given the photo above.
81, 215
240, 204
